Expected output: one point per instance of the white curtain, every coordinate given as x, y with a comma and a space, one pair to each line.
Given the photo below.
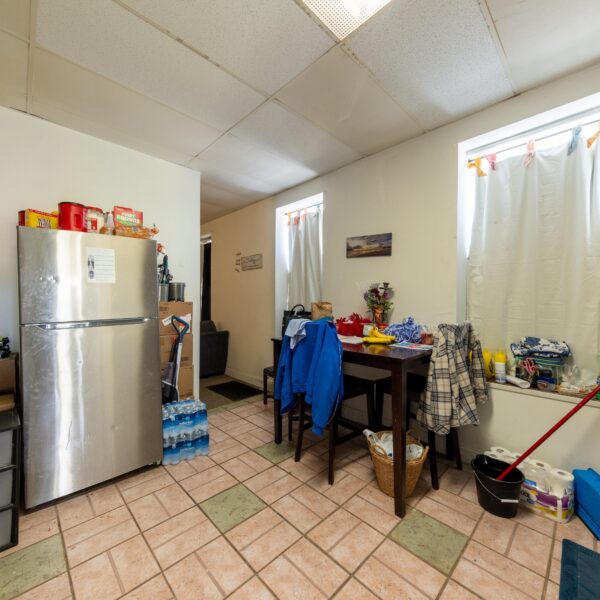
305, 256
534, 263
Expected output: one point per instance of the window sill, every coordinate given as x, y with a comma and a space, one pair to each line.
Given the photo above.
507, 387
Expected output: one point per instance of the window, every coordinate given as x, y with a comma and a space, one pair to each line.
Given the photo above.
531, 237
299, 254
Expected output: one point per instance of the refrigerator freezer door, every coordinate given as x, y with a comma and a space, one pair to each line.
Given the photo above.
92, 405
71, 276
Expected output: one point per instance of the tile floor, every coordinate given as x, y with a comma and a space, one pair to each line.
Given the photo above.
248, 523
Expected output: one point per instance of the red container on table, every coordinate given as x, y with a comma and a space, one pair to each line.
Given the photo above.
71, 215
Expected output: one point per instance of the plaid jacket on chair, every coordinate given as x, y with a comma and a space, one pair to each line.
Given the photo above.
455, 385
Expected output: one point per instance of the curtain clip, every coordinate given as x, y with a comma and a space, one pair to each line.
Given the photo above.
476, 164
491, 158
530, 152
574, 139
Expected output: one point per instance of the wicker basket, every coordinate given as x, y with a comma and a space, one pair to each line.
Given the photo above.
384, 466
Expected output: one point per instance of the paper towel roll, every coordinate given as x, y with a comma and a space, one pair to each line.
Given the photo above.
540, 464
493, 455
500, 450
560, 482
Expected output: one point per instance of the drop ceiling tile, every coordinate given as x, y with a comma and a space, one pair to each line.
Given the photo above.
14, 17
109, 40
13, 73
342, 98
546, 39
231, 162
264, 42
283, 133
76, 97
436, 58
228, 198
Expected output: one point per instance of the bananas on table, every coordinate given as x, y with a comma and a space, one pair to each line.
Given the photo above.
376, 337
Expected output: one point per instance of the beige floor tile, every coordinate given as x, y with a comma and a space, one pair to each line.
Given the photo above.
96, 579
207, 483
98, 535
299, 470
495, 532
504, 568
453, 591
288, 583
356, 546
407, 565
552, 591
263, 550
256, 461
375, 496
105, 499
371, 514
253, 528
239, 469
201, 463
182, 470
264, 479
224, 564
33, 531
57, 588
180, 535
148, 512
255, 438
133, 562
469, 492
229, 453
454, 480
554, 574
160, 480
381, 580
354, 590
447, 515
174, 499
460, 505
247, 410
37, 517
574, 530
330, 531
297, 514
237, 429
531, 549
316, 502
155, 589
420, 490
535, 521
255, 589
366, 473
189, 580
484, 584
343, 490
314, 564
273, 492
74, 511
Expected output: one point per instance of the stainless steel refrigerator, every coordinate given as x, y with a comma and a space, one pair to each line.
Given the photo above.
89, 359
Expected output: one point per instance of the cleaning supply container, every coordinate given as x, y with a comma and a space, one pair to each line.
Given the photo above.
71, 215
501, 498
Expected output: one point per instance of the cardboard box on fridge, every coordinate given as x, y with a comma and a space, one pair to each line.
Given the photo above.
166, 310
186, 382
8, 373
166, 345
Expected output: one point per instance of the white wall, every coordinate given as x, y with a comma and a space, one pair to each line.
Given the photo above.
411, 190
42, 164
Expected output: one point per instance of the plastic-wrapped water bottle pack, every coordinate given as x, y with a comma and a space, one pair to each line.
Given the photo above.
185, 431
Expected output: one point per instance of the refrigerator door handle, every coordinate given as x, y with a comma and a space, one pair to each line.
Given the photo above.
88, 324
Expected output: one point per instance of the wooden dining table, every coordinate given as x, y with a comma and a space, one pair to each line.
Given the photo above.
399, 361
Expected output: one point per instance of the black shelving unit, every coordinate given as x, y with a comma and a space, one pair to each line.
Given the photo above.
10, 466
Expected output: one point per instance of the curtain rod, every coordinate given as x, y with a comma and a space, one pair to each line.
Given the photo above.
474, 152
291, 212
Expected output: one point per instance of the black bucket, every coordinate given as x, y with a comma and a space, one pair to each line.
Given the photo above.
501, 498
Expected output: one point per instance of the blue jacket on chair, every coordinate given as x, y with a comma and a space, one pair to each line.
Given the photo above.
313, 367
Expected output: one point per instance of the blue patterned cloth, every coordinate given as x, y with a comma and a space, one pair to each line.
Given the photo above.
407, 331
540, 347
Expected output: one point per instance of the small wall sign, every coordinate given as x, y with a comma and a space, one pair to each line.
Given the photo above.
254, 261
363, 246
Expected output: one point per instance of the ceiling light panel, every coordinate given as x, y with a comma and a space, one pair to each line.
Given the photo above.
342, 17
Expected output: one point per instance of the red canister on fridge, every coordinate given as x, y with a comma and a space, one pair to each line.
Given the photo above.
71, 216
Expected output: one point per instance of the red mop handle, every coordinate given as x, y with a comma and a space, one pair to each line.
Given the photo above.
549, 433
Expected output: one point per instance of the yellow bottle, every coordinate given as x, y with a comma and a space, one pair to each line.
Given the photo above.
488, 363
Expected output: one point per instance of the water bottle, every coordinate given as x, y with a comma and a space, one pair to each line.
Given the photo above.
201, 443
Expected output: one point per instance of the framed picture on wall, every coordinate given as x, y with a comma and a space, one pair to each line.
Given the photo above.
363, 246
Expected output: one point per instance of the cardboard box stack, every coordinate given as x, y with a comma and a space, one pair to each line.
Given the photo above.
8, 382
168, 336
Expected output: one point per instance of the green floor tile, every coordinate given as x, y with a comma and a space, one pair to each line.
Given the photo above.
31, 566
277, 453
434, 542
231, 507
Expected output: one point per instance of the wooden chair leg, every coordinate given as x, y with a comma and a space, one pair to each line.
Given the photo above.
278, 420
265, 381
300, 429
456, 447
433, 460
333, 434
